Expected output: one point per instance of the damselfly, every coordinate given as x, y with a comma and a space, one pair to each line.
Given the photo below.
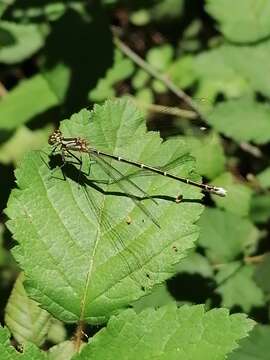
68, 145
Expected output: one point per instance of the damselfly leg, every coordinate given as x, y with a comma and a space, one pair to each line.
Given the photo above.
66, 146
77, 144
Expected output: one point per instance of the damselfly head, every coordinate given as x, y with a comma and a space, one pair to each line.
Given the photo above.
55, 137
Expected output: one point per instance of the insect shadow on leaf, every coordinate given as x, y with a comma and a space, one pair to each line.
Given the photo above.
72, 170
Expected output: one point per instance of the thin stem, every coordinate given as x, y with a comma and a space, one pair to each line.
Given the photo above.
251, 149
174, 111
79, 334
153, 72
257, 259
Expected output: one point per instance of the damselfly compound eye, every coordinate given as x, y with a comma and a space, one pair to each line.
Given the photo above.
55, 137
51, 140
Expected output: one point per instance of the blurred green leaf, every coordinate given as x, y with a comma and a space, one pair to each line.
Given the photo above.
3, 251
160, 57
217, 73
159, 87
260, 208
167, 10
49, 10
18, 42
160, 296
140, 79
261, 275
237, 287
109, 2
223, 71
22, 141
71, 68
209, 154
241, 21
190, 39
140, 17
32, 97
25, 319
144, 96
57, 332
195, 264
238, 197
255, 346
58, 79
55, 10
63, 351
187, 332
225, 236
8, 267
4, 5
242, 120
96, 263
122, 69
264, 178
181, 71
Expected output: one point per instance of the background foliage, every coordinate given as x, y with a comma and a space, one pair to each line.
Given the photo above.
197, 72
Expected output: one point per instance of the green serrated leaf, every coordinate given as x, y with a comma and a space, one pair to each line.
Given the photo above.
225, 236
106, 252
25, 319
255, 346
237, 286
32, 97
18, 42
242, 120
238, 198
249, 21
8, 352
22, 141
169, 333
